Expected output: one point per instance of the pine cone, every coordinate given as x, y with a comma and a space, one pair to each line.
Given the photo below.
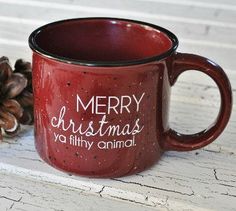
16, 102
26, 97
11, 85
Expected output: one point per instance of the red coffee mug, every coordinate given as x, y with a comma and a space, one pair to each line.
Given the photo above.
102, 91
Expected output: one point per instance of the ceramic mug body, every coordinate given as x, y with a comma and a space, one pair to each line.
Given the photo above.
102, 91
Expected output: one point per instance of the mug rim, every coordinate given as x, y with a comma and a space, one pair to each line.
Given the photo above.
35, 47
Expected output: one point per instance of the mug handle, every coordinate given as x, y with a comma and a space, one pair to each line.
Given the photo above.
181, 142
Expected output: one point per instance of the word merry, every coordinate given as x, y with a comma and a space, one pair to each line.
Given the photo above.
107, 104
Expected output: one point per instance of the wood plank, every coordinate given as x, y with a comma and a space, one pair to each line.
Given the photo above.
225, 2
218, 4
75, 10
14, 52
201, 180
205, 3
17, 193
179, 12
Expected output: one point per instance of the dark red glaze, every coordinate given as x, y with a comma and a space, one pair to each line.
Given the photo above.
125, 69
103, 41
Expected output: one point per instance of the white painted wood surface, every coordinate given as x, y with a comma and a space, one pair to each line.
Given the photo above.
200, 180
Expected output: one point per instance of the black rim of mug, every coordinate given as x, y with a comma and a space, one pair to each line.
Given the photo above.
34, 46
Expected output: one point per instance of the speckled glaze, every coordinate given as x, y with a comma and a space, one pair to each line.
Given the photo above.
59, 76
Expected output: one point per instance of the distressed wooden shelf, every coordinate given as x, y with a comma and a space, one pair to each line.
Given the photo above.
199, 180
